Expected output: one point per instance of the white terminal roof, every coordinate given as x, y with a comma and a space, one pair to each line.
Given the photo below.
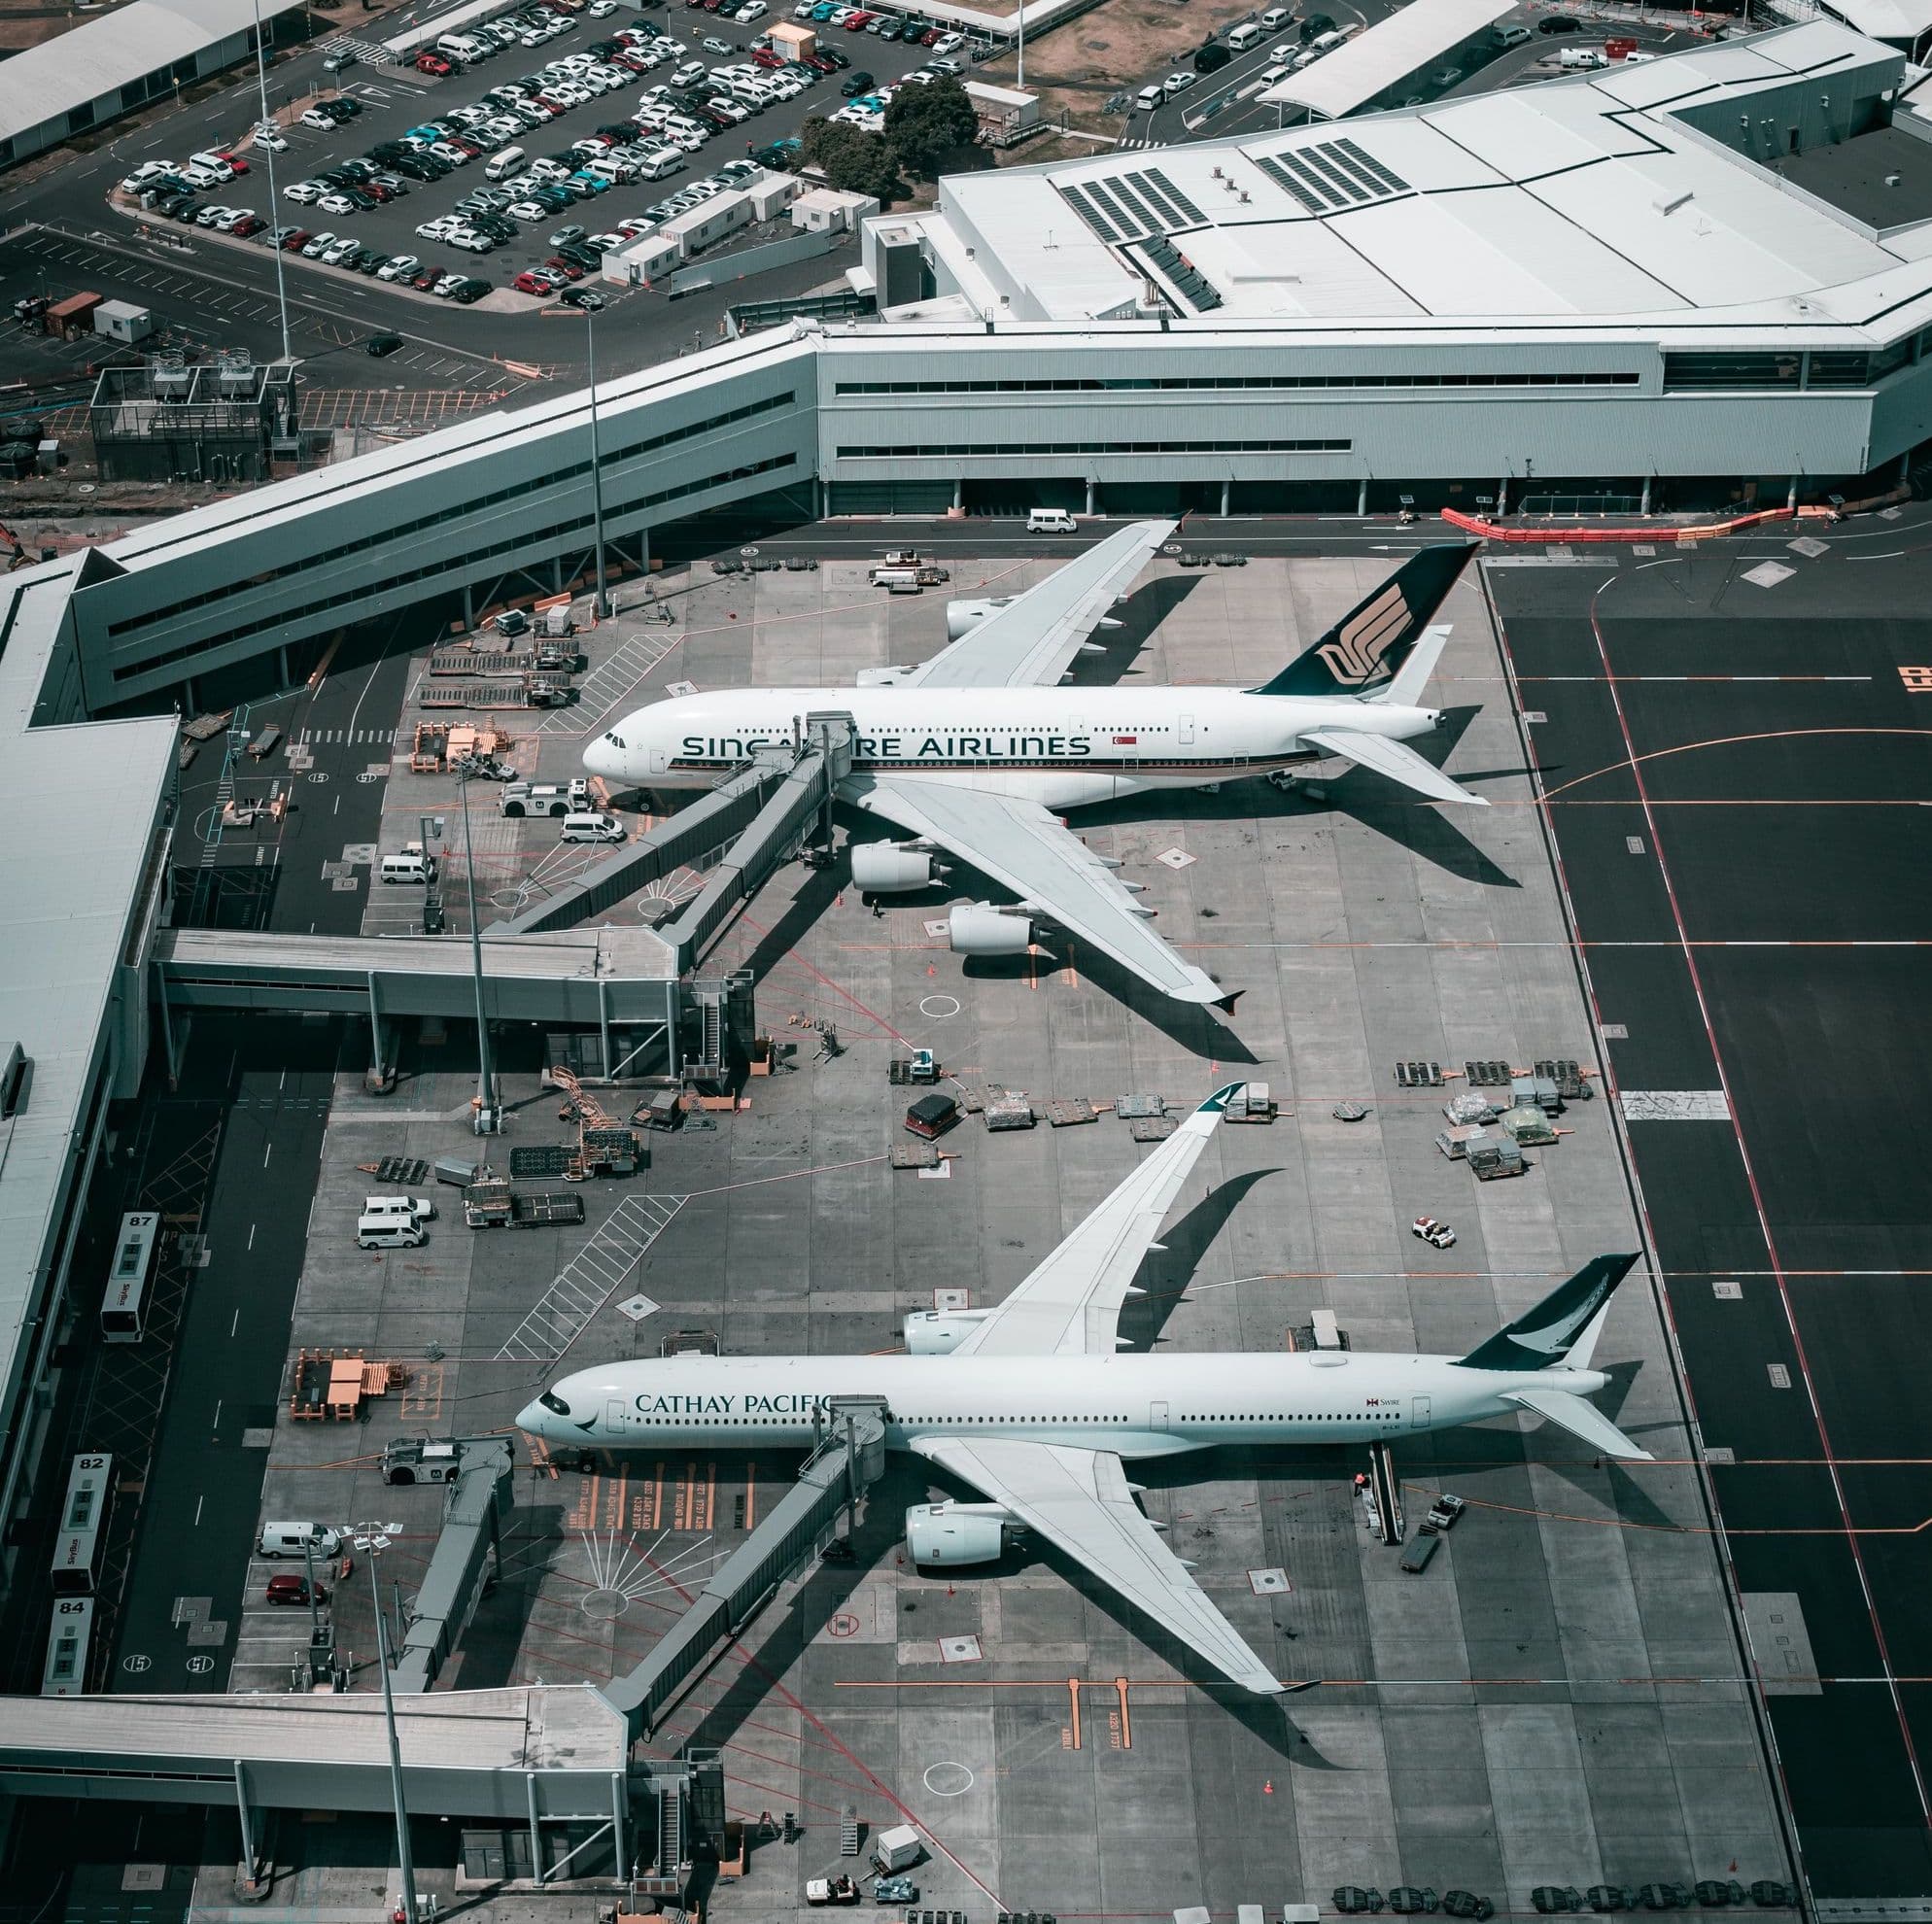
1902, 20
82, 804
1388, 52
102, 57
1579, 197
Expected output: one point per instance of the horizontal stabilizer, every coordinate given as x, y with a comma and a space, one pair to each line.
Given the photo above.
1393, 759
1581, 1418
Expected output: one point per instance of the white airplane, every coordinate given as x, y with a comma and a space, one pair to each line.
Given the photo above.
1029, 1404
971, 750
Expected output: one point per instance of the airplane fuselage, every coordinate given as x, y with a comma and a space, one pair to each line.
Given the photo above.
1138, 1406
1061, 748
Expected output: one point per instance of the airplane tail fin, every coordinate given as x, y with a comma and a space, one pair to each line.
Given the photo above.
1561, 1329
1366, 650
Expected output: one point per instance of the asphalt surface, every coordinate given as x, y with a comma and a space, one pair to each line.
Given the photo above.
275, 1077
1742, 818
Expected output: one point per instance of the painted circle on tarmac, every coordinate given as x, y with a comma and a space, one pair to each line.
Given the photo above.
199, 1666
747, 552
845, 1623
605, 1604
939, 1008
359, 778
947, 1779
136, 1664
318, 777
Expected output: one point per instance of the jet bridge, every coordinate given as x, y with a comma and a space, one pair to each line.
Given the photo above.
837, 1474
739, 831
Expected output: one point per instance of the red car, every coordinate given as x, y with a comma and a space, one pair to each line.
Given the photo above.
287, 1588
856, 23
930, 38
295, 239
767, 58
427, 279
559, 264
434, 63
821, 63
248, 224
234, 161
531, 282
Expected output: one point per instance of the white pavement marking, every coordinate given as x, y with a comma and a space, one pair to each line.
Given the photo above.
608, 685
590, 1278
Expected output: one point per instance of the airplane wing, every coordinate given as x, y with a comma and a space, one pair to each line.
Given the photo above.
1070, 1306
1582, 1420
1079, 1501
1053, 871
1030, 642
1392, 758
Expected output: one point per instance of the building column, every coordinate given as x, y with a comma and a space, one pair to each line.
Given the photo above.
1792, 496
1503, 497
536, 1829
1092, 495
1643, 506
282, 657
1226, 499
1361, 498
247, 1825
188, 696
958, 496
1904, 467
468, 609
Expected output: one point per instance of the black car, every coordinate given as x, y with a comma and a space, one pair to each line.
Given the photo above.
836, 58
370, 262
1313, 27
588, 298
184, 210
358, 170
856, 84
379, 345
472, 290
1560, 23
1212, 57
589, 259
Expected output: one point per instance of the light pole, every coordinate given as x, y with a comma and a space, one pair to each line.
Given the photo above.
596, 472
371, 1539
487, 1121
267, 133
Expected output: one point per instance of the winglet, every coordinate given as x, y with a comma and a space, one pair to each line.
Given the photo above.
1217, 1104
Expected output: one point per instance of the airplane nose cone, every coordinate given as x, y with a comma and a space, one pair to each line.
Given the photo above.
531, 1418
600, 759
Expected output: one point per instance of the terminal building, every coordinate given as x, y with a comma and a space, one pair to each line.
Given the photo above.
1669, 286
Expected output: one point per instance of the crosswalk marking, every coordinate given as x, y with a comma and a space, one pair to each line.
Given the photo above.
590, 1278
607, 685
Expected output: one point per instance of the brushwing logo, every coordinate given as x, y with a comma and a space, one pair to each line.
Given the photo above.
1357, 654
1553, 1339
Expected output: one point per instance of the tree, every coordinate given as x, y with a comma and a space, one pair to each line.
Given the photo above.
927, 123
851, 158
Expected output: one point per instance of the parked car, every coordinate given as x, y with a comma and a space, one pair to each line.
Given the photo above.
286, 1587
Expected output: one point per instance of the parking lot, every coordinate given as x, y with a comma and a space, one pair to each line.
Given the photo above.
580, 71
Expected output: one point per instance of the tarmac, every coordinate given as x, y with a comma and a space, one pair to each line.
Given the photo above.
1741, 816
1562, 1697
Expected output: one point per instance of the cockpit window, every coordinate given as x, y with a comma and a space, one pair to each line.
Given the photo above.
616, 740
554, 1403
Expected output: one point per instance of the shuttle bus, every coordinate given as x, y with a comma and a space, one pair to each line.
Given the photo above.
82, 1537
66, 1671
124, 1308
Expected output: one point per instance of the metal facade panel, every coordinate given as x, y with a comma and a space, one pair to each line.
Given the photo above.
1386, 54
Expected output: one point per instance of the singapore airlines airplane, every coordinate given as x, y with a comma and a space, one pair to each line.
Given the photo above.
971, 750
1028, 1403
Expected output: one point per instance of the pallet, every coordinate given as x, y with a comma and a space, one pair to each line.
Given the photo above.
487, 694
397, 1169
1417, 1074
1488, 1075
912, 1155
466, 661
1152, 1128
1067, 1113
533, 1160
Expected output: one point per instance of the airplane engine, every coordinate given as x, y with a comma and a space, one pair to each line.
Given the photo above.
886, 867
939, 1332
962, 617
978, 928
941, 1533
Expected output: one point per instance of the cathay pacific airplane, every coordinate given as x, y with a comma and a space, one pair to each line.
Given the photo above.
1029, 1405
973, 750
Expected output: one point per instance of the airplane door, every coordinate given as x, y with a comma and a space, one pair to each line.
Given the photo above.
1186, 731
1156, 1415
616, 1413
1419, 1413
659, 761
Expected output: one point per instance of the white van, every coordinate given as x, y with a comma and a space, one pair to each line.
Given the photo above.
1280, 73
389, 1233
1274, 17
591, 825
417, 1208
505, 160
1245, 36
659, 161
461, 47
1327, 42
1051, 521
411, 866
290, 1539
1577, 59
1149, 98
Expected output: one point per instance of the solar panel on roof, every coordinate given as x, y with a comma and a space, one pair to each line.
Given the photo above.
1078, 201
1389, 178
1149, 222
1186, 279
1283, 179
1175, 194
1313, 182
1169, 216
1129, 224
1324, 169
1355, 170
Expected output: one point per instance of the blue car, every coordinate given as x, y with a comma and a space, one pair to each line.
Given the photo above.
823, 10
